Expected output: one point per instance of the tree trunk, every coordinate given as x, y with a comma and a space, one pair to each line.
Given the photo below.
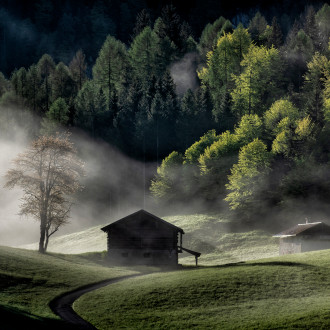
46, 244
42, 235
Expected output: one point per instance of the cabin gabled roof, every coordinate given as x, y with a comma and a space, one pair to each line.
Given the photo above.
305, 229
141, 213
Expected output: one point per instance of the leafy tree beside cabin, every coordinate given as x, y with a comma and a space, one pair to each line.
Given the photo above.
48, 173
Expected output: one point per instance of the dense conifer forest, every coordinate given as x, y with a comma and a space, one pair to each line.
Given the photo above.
232, 101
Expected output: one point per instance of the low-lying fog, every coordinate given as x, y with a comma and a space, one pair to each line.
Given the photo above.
114, 186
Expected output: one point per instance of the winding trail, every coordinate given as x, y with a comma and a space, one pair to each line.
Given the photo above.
62, 305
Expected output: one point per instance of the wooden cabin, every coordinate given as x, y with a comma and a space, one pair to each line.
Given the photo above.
142, 238
309, 236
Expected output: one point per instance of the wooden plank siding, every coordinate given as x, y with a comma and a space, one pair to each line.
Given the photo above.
142, 238
304, 237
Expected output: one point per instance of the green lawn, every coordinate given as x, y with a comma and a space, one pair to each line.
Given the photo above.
283, 292
29, 281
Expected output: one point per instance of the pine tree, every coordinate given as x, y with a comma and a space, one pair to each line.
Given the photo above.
111, 68
210, 35
143, 20
46, 67
19, 82
90, 104
311, 28
33, 88
257, 28
276, 37
142, 56
62, 83
78, 68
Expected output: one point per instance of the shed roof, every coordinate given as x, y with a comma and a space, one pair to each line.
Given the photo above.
305, 228
141, 213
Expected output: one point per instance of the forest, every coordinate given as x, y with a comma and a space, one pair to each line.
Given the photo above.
235, 112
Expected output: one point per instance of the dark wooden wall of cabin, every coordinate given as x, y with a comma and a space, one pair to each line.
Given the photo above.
142, 239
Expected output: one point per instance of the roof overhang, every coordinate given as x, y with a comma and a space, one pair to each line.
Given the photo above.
107, 227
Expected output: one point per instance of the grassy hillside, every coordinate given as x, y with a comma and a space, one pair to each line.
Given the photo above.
219, 242
283, 292
211, 235
90, 240
29, 281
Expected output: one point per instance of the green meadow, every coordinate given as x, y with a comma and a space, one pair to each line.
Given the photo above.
240, 283
29, 281
283, 292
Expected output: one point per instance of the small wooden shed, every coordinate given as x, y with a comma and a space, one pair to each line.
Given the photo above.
309, 236
142, 238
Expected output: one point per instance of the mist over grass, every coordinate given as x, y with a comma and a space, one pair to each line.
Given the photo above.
114, 185
13, 140
213, 235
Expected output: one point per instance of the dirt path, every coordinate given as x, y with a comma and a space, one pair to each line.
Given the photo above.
62, 305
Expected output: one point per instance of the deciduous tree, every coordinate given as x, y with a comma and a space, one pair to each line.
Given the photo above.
248, 177
259, 84
48, 172
167, 184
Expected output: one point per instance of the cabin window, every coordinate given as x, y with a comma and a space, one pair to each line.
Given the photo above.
147, 255
125, 255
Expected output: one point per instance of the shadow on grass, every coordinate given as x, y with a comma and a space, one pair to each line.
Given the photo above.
253, 264
14, 318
